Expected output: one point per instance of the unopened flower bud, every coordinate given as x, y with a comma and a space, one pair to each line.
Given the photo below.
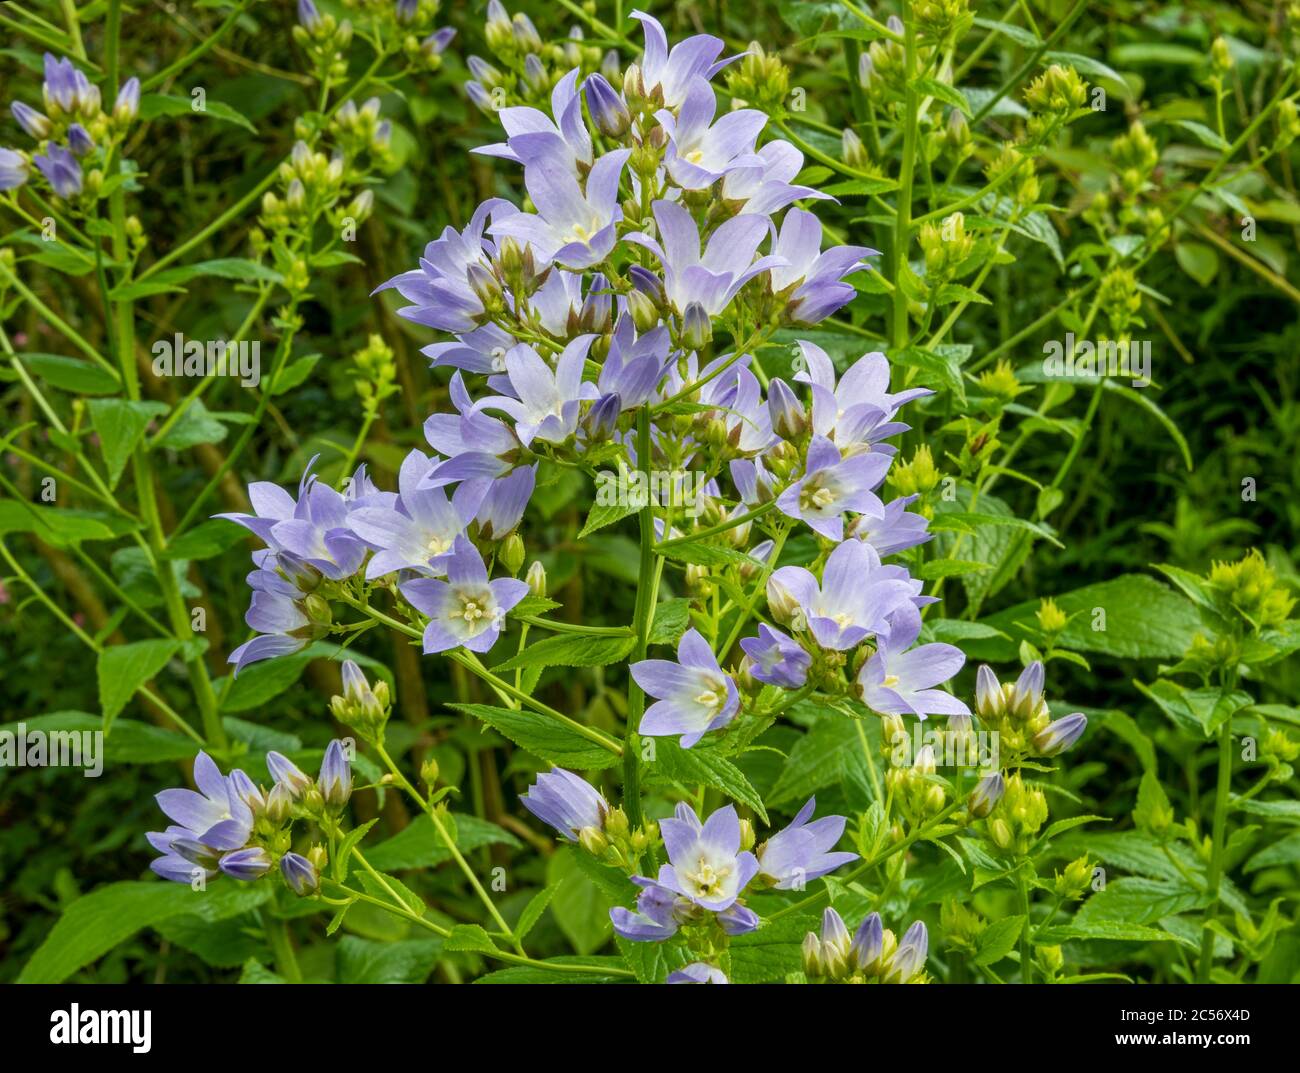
536, 578
1059, 735
301, 875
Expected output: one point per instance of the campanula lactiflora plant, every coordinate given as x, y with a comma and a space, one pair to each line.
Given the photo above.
649, 587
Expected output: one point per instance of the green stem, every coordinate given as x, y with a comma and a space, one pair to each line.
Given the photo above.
1215, 874
903, 219
643, 614
1026, 954
432, 812
277, 934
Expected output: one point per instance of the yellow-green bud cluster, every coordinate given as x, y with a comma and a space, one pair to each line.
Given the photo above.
326, 42
917, 475
1252, 587
376, 373
1074, 881
1016, 819
947, 246
1001, 382
1288, 123
617, 843
1023, 186
918, 793
943, 21
1136, 157
962, 927
1120, 298
761, 80
1059, 91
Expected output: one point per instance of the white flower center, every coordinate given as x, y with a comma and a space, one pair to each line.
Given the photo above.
706, 880
473, 609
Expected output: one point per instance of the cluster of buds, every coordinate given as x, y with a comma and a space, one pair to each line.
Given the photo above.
962, 927
376, 374
871, 955
1120, 299
528, 66
1252, 588
293, 795
360, 130
953, 138
1074, 882
760, 80
427, 51
362, 706
1279, 750
1019, 715
943, 22
1057, 93
74, 132
311, 180
1051, 619
882, 69
947, 247
1023, 185
916, 476
320, 799
1288, 123
1136, 156
1001, 382
914, 786
1017, 817
617, 843
1221, 62
325, 40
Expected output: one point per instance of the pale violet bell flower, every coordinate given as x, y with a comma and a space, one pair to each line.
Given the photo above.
893, 530
852, 602
706, 874
467, 609
768, 186
833, 483
566, 802
206, 823
857, 400
573, 226
899, 679
815, 279
776, 659
705, 861
546, 401
693, 695
697, 972
669, 74
701, 151
711, 277
803, 851
418, 531
439, 290
528, 130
